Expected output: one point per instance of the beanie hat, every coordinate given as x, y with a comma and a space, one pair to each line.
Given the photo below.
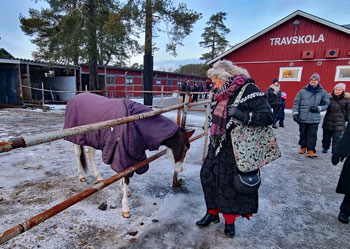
316, 76
283, 95
341, 85
275, 80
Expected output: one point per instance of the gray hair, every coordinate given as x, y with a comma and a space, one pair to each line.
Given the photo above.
224, 69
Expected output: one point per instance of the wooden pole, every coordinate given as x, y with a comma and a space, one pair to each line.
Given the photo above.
206, 127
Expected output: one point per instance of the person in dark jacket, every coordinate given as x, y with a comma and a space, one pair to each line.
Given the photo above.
200, 89
195, 95
273, 96
308, 103
338, 113
219, 167
185, 89
342, 151
281, 111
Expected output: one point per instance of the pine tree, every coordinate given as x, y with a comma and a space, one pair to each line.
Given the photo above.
214, 36
178, 22
79, 31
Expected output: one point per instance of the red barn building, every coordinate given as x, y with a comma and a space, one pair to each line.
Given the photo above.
128, 82
292, 50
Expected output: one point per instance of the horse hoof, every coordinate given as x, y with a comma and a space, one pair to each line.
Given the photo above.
83, 179
126, 214
129, 194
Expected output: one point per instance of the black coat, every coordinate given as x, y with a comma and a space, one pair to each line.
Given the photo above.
273, 99
343, 149
338, 112
217, 172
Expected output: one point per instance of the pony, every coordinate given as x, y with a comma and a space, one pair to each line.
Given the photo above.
124, 145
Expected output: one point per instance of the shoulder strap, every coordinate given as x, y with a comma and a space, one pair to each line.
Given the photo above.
240, 94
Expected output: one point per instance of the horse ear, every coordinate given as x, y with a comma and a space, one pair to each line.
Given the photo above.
188, 134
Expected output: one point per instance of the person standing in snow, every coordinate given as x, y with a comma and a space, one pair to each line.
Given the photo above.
308, 103
282, 107
219, 167
273, 96
342, 151
338, 113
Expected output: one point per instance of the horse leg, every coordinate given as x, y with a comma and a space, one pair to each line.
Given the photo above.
92, 153
78, 150
125, 207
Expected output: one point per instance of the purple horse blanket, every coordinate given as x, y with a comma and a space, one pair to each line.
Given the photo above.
123, 145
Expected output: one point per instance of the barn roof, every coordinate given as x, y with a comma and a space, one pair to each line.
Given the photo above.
344, 28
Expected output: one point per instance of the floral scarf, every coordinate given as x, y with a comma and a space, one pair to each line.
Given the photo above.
222, 96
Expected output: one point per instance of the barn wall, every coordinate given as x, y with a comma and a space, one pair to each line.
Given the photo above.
263, 56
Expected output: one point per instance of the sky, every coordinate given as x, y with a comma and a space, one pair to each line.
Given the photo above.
244, 19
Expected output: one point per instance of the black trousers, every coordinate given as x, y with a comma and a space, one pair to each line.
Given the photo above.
276, 112
345, 205
331, 136
308, 135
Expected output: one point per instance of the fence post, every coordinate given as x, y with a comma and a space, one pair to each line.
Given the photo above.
207, 112
43, 95
161, 97
86, 88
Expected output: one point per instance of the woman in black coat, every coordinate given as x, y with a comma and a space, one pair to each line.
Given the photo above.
338, 112
342, 151
219, 168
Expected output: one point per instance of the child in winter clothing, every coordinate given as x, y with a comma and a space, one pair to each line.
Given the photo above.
283, 106
273, 96
337, 114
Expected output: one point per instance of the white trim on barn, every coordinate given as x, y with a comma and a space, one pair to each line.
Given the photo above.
298, 12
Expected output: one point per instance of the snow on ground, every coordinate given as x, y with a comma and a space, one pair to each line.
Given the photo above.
298, 205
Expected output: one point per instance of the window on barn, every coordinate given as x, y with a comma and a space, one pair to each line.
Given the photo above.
342, 73
290, 73
110, 80
169, 82
158, 82
179, 83
129, 81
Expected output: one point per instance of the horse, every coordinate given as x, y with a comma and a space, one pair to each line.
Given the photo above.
124, 145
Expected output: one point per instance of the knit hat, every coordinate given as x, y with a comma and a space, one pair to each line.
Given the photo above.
275, 80
283, 95
316, 76
341, 85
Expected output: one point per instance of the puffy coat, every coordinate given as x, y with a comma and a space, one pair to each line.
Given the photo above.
305, 99
273, 99
343, 149
218, 171
338, 112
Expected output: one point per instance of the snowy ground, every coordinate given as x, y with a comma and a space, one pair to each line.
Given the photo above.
298, 204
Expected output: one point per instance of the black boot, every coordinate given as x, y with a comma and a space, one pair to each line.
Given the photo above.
207, 219
343, 217
230, 229
274, 126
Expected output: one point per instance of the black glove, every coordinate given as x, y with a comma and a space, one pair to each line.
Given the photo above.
236, 113
295, 118
314, 109
336, 158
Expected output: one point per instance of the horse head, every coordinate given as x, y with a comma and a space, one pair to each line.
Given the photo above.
177, 147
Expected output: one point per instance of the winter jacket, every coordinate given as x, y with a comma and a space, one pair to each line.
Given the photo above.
305, 99
218, 171
273, 99
343, 149
338, 112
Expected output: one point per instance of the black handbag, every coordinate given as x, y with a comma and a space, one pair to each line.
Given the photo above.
247, 183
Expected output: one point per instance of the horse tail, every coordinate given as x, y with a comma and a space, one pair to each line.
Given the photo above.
83, 158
